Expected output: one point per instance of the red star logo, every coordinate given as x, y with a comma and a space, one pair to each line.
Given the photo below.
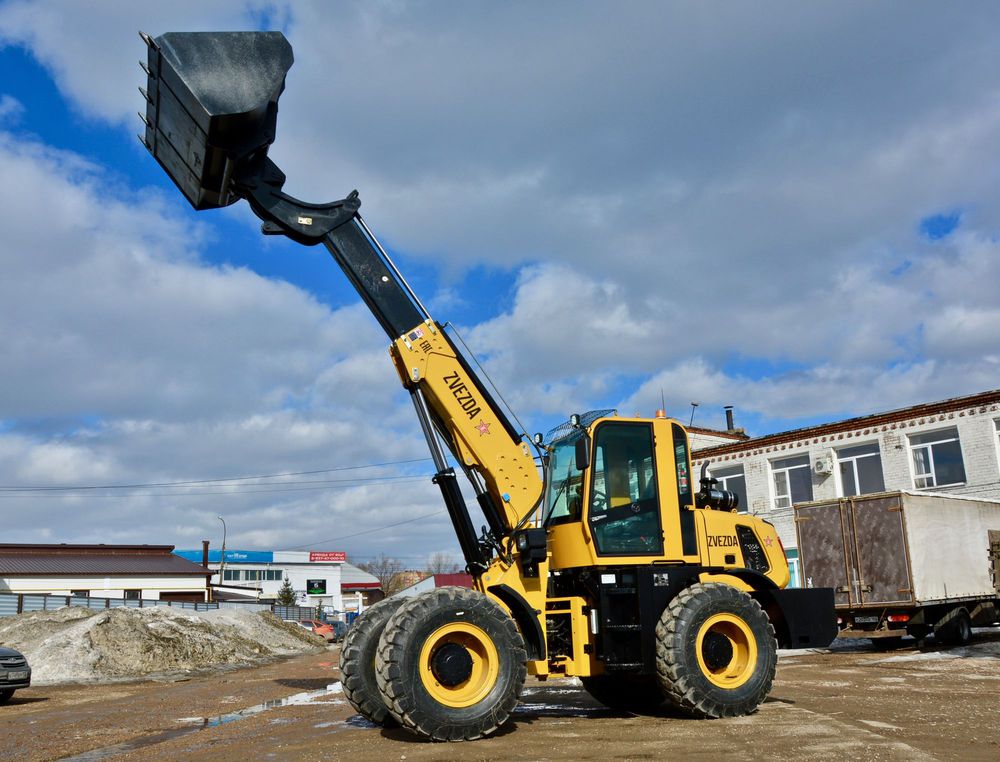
768, 541
483, 428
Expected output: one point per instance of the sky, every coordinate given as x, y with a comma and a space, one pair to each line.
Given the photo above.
791, 208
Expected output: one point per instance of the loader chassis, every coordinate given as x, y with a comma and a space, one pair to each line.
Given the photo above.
611, 567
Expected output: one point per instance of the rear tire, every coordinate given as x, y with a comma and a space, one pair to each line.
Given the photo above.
629, 693
357, 661
451, 664
959, 630
715, 652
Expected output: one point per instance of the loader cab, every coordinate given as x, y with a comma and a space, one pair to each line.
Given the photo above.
623, 502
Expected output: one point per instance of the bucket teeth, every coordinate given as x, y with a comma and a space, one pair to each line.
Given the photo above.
147, 39
145, 121
142, 140
145, 95
145, 68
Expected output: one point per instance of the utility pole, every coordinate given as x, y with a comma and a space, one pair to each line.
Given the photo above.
222, 559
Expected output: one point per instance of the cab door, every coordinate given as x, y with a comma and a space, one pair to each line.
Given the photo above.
623, 502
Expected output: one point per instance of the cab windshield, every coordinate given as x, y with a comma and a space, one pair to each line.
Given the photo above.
563, 484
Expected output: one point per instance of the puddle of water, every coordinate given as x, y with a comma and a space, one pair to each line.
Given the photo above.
194, 724
561, 710
357, 721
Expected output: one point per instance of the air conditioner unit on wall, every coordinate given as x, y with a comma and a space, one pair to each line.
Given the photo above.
823, 465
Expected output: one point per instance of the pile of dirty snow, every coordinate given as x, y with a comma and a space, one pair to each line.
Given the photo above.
77, 644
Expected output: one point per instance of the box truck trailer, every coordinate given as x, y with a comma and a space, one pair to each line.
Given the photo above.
904, 563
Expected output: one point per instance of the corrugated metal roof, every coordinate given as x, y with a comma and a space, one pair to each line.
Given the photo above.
64, 564
353, 577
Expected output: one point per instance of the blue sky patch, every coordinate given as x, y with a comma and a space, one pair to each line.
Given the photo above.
939, 226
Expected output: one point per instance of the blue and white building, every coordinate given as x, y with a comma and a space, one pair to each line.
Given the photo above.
315, 575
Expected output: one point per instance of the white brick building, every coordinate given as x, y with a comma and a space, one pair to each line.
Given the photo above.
952, 446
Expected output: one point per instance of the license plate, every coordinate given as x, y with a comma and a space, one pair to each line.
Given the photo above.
22, 675
866, 619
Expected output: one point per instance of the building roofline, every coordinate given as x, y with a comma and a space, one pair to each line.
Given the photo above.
738, 434
875, 419
111, 573
71, 548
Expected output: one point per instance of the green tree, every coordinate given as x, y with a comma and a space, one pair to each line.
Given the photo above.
286, 595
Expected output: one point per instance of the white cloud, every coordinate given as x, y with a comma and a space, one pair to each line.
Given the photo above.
10, 109
129, 360
678, 194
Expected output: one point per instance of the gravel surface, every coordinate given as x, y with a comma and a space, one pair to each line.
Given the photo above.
851, 702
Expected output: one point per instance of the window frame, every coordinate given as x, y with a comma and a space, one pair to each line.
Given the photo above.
910, 446
743, 507
853, 460
785, 470
996, 438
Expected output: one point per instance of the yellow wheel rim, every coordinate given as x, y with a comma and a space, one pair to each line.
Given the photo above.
482, 672
727, 650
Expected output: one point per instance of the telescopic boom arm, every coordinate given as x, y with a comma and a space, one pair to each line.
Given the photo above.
212, 102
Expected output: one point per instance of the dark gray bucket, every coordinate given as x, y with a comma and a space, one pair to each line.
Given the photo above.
211, 105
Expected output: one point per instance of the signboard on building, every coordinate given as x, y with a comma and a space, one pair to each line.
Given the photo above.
336, 556
316, 587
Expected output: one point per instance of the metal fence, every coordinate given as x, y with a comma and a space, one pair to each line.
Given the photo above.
294, 613
22, 603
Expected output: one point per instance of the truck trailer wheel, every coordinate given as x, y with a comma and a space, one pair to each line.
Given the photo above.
715, 652
451, 664
630, 693
958, 632
357, 661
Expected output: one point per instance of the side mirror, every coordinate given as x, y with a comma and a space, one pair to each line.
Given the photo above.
583, 453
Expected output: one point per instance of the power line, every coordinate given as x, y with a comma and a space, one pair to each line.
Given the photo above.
345, 484
79, 488
314, 543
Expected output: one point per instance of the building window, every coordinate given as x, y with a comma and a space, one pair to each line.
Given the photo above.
273, 575
231, 574
133, 595
80, 593
860, 470
937, 459
792, 481
733, 479
996, 439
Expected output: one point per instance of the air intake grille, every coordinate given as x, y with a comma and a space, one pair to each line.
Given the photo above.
754, 556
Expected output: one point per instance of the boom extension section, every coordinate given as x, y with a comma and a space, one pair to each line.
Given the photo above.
212, 137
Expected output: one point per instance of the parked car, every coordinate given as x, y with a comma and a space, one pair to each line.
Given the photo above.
323, 629
339, 630
14, 673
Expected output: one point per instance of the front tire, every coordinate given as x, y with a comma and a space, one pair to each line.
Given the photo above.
5, 695
451, 664
357, 661
715, 653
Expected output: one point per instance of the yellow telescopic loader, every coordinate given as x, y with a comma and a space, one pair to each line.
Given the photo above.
608, 563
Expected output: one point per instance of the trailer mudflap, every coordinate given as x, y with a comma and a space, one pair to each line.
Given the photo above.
802, 617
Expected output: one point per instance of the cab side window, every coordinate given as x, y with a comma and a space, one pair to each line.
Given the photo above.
624, 506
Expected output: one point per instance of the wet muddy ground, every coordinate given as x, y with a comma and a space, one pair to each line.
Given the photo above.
853, 702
